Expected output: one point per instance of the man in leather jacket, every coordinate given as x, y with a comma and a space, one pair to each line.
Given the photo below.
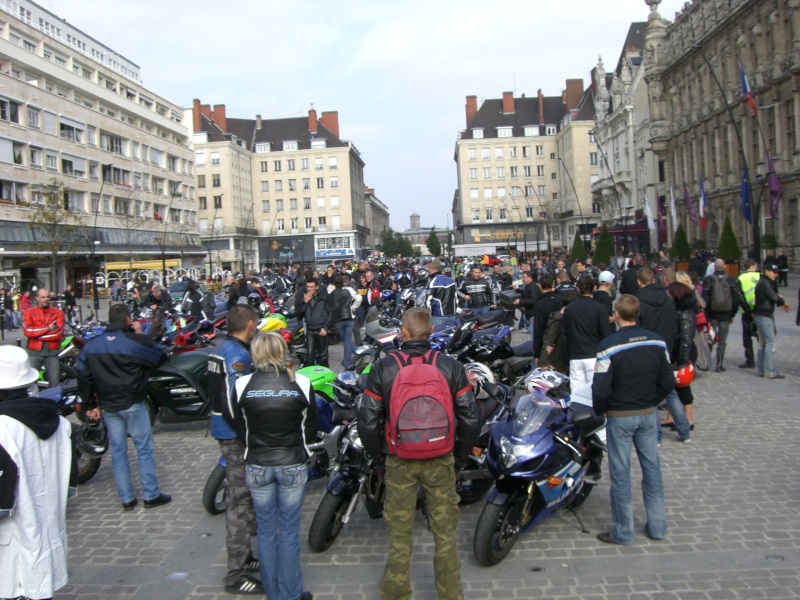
43, 325
230, 361
442, 294
313, 309
403, 476
478, 291
767, 298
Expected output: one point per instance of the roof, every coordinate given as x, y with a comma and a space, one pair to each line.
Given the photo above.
634, 42
274, 131
585, 106
490, 116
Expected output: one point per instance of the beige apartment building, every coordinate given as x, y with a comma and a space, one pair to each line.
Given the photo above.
510, 162
377, 218
74, 112
275, 191
692, 130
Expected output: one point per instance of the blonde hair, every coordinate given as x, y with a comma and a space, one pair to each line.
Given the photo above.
269, 350
683, 277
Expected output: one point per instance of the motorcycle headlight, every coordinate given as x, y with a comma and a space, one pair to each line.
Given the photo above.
355, 441
513, 453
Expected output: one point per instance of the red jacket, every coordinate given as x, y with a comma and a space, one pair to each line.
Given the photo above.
36, 325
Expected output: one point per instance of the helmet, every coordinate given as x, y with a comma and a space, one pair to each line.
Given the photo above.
684, 376
346, 388
92, 438
407, 297
386, 295
542, 380
254, 300
286, 335
478, 375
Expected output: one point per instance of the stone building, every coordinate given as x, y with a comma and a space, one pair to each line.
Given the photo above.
695, 134
377, 218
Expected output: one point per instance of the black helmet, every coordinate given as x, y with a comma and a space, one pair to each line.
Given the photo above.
254, 300
92, 438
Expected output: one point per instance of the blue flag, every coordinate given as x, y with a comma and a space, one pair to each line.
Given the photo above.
744, 192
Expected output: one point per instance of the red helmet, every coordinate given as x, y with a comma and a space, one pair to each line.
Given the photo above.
684, 376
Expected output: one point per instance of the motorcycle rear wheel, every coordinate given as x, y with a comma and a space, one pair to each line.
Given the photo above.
473, 490
87, 466
497, 530
327, 522
215, 494
581, 496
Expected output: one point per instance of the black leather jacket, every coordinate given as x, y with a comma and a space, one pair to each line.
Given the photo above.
372, 408
684, 349
339, 306
766, 298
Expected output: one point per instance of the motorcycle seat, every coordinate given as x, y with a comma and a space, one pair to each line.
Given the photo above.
194, 363
493, 316
584, 417
488, 406
523, 349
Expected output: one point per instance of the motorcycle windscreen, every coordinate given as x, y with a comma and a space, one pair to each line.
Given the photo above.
532, 412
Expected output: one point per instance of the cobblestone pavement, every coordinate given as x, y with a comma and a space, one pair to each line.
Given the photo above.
732, 511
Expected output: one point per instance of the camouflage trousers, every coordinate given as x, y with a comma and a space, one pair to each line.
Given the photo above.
240, 520
438, 479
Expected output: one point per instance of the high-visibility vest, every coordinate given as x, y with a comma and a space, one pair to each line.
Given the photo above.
748, 281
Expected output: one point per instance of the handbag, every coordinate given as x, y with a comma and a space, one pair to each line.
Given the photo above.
703, 361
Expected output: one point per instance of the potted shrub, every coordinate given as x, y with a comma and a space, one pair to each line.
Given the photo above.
681, 250
729, 250
604, 251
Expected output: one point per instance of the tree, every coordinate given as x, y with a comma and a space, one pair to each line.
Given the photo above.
388, 243
578, 250
404, 246
56, 226
729, 249
605, 247
433, 243
680, 245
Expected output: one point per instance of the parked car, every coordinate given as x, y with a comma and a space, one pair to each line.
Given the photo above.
178, 289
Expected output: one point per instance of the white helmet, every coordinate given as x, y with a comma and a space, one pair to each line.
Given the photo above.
478, 374
542, 380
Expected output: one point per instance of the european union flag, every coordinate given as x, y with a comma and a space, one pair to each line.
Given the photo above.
744, 192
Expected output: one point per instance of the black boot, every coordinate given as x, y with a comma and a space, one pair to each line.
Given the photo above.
720, 358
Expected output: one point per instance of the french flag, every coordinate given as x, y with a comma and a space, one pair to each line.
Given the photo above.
703, 204
746, 90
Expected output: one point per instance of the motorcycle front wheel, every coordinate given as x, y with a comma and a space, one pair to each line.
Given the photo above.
327, 522
215, 494
497, 530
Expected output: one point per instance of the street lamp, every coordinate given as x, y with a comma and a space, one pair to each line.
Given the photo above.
616, 194
244, 241
577, 200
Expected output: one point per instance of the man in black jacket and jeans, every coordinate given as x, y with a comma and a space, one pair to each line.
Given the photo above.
314, 310
549, 302
403, 476
585, 325
627, 280
530, 294
721, 317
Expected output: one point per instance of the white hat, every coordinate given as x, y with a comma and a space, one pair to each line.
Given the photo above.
15, 368
606, 277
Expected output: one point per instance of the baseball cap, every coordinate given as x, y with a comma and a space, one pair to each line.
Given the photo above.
771, 267
606, 277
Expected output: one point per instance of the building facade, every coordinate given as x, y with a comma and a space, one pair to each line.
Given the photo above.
304, 200
77, 125
377, 218
418, 235
510, 162
698, 130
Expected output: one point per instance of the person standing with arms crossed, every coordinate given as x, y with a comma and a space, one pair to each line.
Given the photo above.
44, 327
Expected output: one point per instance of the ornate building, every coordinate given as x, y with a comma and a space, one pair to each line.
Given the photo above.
694, 133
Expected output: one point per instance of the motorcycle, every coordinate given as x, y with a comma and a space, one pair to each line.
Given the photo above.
332, 417
545, 455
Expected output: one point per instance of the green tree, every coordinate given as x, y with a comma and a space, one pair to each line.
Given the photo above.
404, 246
578, 249
388, 243
729, 249
605, 247
58, 229
433, 243
680, 245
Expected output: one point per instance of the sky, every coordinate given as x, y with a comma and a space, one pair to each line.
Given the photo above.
397, 71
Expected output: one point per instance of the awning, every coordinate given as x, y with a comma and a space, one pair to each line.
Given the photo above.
72, 123
79, 164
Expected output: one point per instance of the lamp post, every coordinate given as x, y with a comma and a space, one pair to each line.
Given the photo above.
211, 244
95, 242
616, 195
244, 241
577, 200
269, 233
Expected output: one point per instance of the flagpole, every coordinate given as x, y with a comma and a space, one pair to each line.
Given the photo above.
756, 238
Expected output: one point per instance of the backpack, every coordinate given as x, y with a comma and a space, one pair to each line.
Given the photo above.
421, 421
721, 298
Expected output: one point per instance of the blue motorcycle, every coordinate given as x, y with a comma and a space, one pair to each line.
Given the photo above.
546, 455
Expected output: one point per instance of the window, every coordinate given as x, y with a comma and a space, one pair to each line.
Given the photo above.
593, 158
528, 191
476, 215
278, 185
473, 174
531, 130
504, 132
68, 132
514, 172
172, 163
290, 164
555, 195
306, 203
279, 205
487, 193
528, 212
317, 144
215, 180
501, 172
262, 147
292, 203
304, 164
526, 152
36, 157
265, 206
542, 191
306, 183
308, 223
135, 149
540, 151
293, 221
552, 156
263, 166
490, 214
320, 183
114, 144
52, 162
290, 146
526, 170
502, 214
477, 133
265, 187
215, 158
318, 164
472, 153
487, 172
550, 130
332, 162
276, 166
217, 201
334, 183
515, 191
33, 118
596, 207
553, 176
320, 202
512, 152
501, 192
473, 194
498, 153
486, 153
540, 170
201, 181
323, 221
202, 204
9, 110
335, 223
279, 225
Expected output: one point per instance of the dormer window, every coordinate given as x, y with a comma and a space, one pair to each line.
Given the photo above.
317, 144
262, 147
504, 132
290, 145
477, 133
531, 130
550, 130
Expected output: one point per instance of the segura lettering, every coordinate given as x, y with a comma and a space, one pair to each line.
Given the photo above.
271, 393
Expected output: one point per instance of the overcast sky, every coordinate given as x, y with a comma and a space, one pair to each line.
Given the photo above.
398, 71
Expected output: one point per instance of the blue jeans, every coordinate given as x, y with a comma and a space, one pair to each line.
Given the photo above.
136, 422
345, 330
678, 416
765, 357
641, 433
480, 310
277, 494
48, 359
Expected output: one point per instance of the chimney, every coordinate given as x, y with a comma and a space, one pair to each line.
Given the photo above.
541, 107
330, 120
258, 122
508, 103
312, 121
205, 110
196, 115
574, 93
219, 117
472, 109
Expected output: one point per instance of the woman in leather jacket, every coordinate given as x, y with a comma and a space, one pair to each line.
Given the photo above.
684, 351
341, 318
